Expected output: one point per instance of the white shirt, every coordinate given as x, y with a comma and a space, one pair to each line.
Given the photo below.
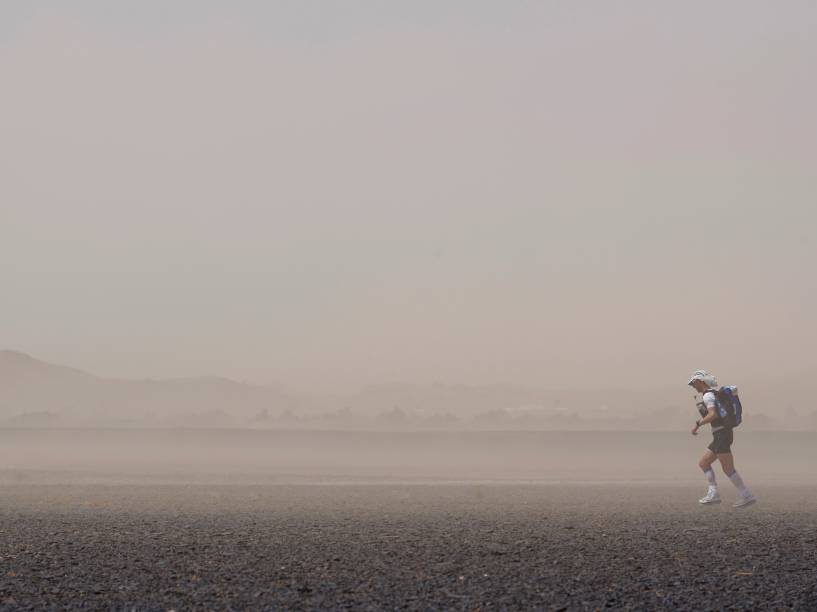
710, 401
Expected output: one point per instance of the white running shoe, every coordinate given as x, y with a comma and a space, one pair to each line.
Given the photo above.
712, 497
745, 500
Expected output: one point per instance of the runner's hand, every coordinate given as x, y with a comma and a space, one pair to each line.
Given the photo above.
695, 430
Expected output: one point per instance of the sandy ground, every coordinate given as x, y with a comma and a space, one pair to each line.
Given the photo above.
464, 547
110, 456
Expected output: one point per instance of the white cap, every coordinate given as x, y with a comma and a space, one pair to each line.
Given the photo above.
706, 377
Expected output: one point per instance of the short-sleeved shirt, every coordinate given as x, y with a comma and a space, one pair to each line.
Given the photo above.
712, 402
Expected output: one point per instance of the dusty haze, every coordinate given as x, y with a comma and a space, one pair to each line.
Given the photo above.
375, 305
334, 196
201, 456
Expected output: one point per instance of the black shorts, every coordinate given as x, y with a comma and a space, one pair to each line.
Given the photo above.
721, 441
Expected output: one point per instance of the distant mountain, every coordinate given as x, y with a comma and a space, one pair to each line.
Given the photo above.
34, 393
32, 387
17, 368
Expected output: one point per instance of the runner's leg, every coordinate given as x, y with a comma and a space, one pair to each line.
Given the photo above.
705, 464
728, 465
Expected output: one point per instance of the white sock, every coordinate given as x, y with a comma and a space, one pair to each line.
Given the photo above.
710, 476
738, 482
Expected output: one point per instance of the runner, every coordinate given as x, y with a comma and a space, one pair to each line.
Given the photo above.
721, 446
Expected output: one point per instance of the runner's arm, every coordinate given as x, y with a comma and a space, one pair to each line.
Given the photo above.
710, 416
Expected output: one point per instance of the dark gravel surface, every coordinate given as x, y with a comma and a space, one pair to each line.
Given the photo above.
460, 547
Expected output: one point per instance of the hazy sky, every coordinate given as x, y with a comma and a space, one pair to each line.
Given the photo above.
330, 194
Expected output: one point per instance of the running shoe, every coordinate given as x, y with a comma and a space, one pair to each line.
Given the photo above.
712, 497
745, 500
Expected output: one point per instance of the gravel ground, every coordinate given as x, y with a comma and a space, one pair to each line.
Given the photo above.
445, 546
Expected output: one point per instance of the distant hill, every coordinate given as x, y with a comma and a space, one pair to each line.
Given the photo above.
34, 393
32, 387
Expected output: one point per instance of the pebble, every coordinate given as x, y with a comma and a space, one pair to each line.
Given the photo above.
362, 547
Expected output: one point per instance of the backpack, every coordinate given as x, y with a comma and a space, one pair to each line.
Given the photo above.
728, 406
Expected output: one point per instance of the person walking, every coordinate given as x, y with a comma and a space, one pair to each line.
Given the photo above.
721, 446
